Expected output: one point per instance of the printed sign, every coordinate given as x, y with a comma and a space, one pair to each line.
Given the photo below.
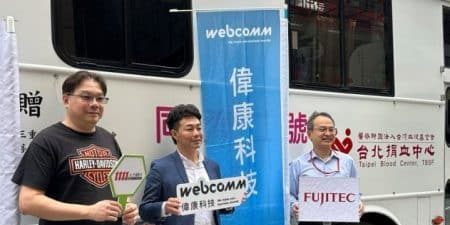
211, 195
127, 175
334, 199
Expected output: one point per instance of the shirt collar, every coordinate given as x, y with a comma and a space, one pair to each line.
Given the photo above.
189, 162
315, 156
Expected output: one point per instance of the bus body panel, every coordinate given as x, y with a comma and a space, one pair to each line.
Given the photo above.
409, 191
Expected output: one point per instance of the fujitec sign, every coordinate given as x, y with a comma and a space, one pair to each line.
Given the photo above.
328, 199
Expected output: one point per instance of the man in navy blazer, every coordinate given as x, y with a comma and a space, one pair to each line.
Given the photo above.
159, 204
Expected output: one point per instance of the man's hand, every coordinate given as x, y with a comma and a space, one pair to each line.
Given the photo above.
173, 206
243, 198
295, 210
105, 210
130, 214
360, 208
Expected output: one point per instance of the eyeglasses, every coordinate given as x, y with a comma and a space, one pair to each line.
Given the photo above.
90, 98
332, 130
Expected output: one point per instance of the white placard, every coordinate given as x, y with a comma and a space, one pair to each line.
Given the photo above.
127, 175
211, 195
326, 199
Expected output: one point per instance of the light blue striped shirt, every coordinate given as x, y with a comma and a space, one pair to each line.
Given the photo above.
311, 165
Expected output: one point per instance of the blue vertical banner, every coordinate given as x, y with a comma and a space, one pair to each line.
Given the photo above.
241, 103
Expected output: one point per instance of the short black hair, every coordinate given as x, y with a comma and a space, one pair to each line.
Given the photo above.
73, 81
178, 113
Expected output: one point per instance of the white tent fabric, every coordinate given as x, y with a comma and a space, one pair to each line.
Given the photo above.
10, 153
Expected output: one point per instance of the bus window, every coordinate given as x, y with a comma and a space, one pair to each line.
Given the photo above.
135, 36
341, 45
446, 22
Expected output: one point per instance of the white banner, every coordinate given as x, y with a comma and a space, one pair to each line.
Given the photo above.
9, 122
328, 199
211, 195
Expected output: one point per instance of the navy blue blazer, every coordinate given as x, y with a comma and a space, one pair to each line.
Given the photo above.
164, 175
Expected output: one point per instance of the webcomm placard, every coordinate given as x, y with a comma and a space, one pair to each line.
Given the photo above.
211, 195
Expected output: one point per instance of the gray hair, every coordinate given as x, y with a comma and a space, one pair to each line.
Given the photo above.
313, 116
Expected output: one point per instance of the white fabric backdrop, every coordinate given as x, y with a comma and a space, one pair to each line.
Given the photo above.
10, 154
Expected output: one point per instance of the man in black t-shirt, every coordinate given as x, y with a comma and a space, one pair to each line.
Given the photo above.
63, 174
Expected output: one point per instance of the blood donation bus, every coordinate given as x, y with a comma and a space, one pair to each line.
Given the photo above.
381, 68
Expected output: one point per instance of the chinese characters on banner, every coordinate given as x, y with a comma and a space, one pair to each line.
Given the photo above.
241, 103
241, 80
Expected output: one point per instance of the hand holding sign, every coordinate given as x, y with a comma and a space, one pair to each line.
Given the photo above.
130, 214
173, 206
211, 195
126, 177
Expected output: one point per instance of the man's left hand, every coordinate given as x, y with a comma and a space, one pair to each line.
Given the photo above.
360, 208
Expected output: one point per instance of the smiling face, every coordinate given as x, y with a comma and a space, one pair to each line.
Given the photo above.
188, 134
82, 115
323, 134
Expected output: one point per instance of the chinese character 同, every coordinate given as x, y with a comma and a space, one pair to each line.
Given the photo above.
161, 116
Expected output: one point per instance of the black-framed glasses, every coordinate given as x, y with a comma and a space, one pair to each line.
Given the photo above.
332, 130
90, 98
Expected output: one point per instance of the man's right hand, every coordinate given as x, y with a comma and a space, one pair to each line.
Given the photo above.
173, 206
106, 210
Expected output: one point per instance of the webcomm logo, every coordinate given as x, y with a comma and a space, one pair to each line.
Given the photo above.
230, 32
203, 188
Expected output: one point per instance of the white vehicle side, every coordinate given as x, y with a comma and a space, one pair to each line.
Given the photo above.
404, 191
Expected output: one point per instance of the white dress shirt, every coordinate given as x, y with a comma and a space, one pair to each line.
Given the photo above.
194, 172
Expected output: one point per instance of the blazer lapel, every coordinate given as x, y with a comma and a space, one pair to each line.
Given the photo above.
180, 167
211, 173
